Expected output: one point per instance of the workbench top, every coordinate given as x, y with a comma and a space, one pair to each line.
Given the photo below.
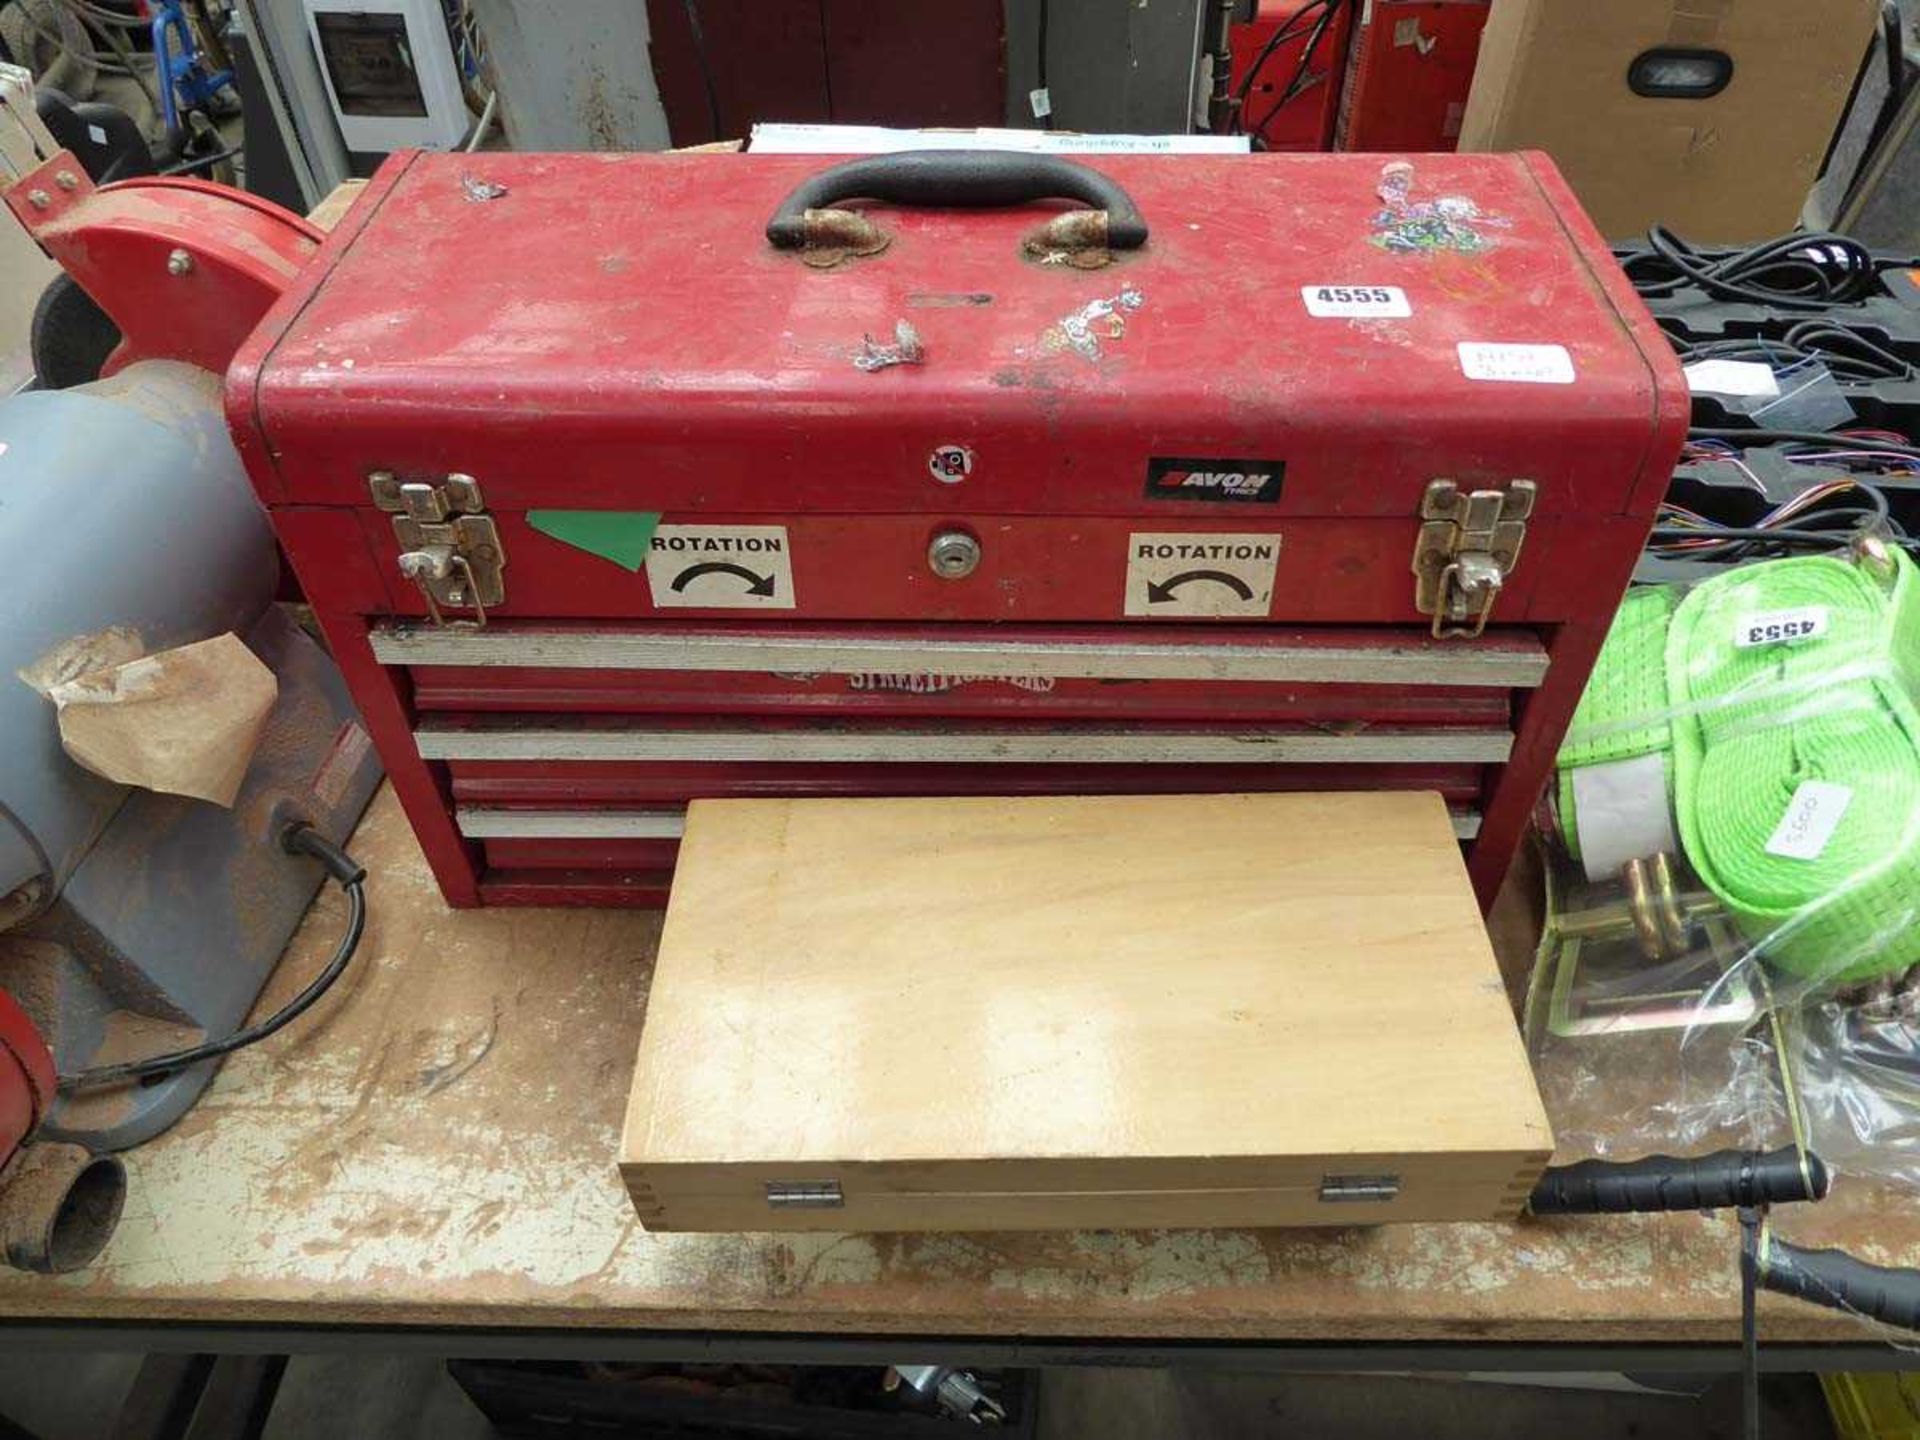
435, 1145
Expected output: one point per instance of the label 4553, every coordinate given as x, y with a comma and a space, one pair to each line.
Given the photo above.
1777, 627
1356, 302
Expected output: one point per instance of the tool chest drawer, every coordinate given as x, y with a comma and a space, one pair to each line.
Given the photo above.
612, 829
1354, 676
579, 765
621, 481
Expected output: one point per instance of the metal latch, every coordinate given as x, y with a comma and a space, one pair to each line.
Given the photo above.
1469, 543
804, 1195
448, 546
1347, 1189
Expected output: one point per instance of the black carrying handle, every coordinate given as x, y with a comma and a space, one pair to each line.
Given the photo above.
1836, 1280
1727, 1179
944, 179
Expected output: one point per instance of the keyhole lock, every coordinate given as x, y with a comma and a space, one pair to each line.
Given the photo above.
953, 555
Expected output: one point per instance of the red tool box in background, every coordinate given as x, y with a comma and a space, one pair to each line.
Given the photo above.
1270, 48
1409, 71
606, 500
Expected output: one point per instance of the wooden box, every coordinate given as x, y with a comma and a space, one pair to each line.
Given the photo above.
1135, 1011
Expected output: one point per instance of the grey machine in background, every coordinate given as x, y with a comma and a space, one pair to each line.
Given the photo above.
133, 922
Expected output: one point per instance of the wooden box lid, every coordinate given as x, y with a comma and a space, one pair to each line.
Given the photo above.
1027, 1013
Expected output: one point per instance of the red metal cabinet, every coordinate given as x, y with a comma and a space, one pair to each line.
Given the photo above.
1271, 48
1190, 486
1409, 71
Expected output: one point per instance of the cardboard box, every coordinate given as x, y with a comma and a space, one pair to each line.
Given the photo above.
1731, 167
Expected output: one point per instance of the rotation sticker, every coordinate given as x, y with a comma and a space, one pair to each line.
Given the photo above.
721, 567
1181, 576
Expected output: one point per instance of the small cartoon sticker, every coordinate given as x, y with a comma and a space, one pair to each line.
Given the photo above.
1083, 330
1407, 227
906, 349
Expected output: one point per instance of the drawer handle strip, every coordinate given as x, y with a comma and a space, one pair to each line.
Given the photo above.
488, 823
1409, 664
439, 741
477, 823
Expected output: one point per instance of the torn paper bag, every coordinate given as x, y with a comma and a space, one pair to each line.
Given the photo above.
183, 721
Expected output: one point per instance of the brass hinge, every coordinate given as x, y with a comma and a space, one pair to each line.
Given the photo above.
1358, 1189
804, 1195
1469, 543
449, 546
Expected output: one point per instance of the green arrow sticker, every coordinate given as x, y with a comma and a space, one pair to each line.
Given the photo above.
621, 536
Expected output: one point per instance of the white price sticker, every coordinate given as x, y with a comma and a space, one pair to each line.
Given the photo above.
1518, 364
1812, 816
1739, 378
1356, 302
1778, 627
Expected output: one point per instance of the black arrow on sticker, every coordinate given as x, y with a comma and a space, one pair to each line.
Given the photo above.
756, 584
1158, 594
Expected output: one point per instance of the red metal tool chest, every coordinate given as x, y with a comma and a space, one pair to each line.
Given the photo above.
1013, 502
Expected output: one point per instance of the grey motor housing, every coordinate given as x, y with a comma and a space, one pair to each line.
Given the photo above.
131, 922
126, 526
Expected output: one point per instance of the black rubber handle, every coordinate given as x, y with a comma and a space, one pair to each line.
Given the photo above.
946, 179
1836, 1280
1724, 1180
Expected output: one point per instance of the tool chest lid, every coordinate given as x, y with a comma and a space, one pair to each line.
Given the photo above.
601, 329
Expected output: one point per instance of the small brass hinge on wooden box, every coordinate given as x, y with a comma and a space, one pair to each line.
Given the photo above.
1469, 543
805, 1195
1358, 1189
449, 547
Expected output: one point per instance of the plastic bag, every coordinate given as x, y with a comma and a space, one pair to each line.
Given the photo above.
1857, 1073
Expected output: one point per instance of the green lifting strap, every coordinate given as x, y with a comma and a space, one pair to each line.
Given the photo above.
1623, 712
1746, 726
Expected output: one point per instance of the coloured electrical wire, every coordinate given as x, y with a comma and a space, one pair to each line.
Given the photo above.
1880, 443
1807, 521
1847, 353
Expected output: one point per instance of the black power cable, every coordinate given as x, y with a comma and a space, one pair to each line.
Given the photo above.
1302, 71
1040, 64
1302, 77
1282, 33
351, 877
1804, 271
706, 69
